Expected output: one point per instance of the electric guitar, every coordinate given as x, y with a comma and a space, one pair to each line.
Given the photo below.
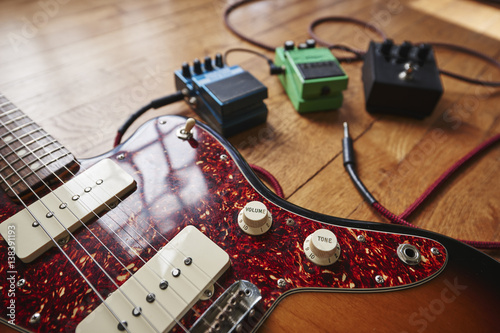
172, 231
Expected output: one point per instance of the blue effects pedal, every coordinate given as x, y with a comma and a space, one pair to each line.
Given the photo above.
227, 98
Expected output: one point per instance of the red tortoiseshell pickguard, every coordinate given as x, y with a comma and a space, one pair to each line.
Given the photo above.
183, 183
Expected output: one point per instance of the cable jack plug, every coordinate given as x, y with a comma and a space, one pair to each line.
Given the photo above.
349, 165
276, 70
347, 148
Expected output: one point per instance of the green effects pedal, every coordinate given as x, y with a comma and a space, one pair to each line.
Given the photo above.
313, 78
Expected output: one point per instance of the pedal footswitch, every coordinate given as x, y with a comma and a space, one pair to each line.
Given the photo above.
227, 98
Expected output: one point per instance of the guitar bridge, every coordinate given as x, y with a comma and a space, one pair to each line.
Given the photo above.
235, 308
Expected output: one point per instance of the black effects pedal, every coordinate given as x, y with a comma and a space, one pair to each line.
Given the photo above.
401, 79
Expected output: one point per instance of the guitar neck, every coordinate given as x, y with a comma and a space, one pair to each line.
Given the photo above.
30, 157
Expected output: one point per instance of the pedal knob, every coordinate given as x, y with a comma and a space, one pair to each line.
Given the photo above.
197, 66
186, 71
219, 61
254, 219
322, 248
311, 43
208, 64
404, 49
386, 47
289, 45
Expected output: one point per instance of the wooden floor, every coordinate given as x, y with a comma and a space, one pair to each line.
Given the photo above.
79, 68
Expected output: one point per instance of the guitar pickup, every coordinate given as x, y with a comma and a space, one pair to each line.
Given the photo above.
67, 208
156, 297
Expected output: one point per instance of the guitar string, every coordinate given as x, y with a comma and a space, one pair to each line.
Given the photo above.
111, 252
60, 249
78, 242
122, 239
109, 227
133, 276
164, 259
173, 289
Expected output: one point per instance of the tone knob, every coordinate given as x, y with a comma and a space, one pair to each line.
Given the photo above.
254, 219
322, 248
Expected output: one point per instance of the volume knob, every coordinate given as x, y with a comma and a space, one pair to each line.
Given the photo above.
322, 248
254, 219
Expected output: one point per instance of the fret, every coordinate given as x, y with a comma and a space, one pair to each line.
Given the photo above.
4, 104
24, 142
14, 120
27, 144
46, 135
6, 113
22, 126
31, 152
39, 159
32, 172
21, 137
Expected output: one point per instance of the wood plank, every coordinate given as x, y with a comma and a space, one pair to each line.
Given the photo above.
94, 63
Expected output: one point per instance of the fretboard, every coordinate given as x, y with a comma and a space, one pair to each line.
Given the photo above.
30, 158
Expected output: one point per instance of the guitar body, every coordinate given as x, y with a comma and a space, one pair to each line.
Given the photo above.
203, 182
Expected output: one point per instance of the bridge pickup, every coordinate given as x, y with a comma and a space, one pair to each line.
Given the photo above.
175, 283
76, 202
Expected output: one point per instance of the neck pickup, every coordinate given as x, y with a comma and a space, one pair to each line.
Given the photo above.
30, 159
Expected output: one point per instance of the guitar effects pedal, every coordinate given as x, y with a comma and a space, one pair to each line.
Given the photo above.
227, 98
401, 79
313, 77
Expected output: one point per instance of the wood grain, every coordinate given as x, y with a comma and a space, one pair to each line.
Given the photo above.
80, 68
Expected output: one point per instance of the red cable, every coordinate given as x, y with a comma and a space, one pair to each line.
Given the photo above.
401, 219
269, 178
118, 139
447, 174
397, 220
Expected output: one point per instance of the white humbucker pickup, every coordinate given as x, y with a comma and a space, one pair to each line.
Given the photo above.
70, 205
189, 264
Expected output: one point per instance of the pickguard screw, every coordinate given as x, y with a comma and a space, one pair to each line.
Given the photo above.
35, 318
223, 157
208, 293
188, 261
35, 224
379, 279
290, 221
20, 283
281, 283
435, 251
361, 238
162, 122
63, 241
121, 156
